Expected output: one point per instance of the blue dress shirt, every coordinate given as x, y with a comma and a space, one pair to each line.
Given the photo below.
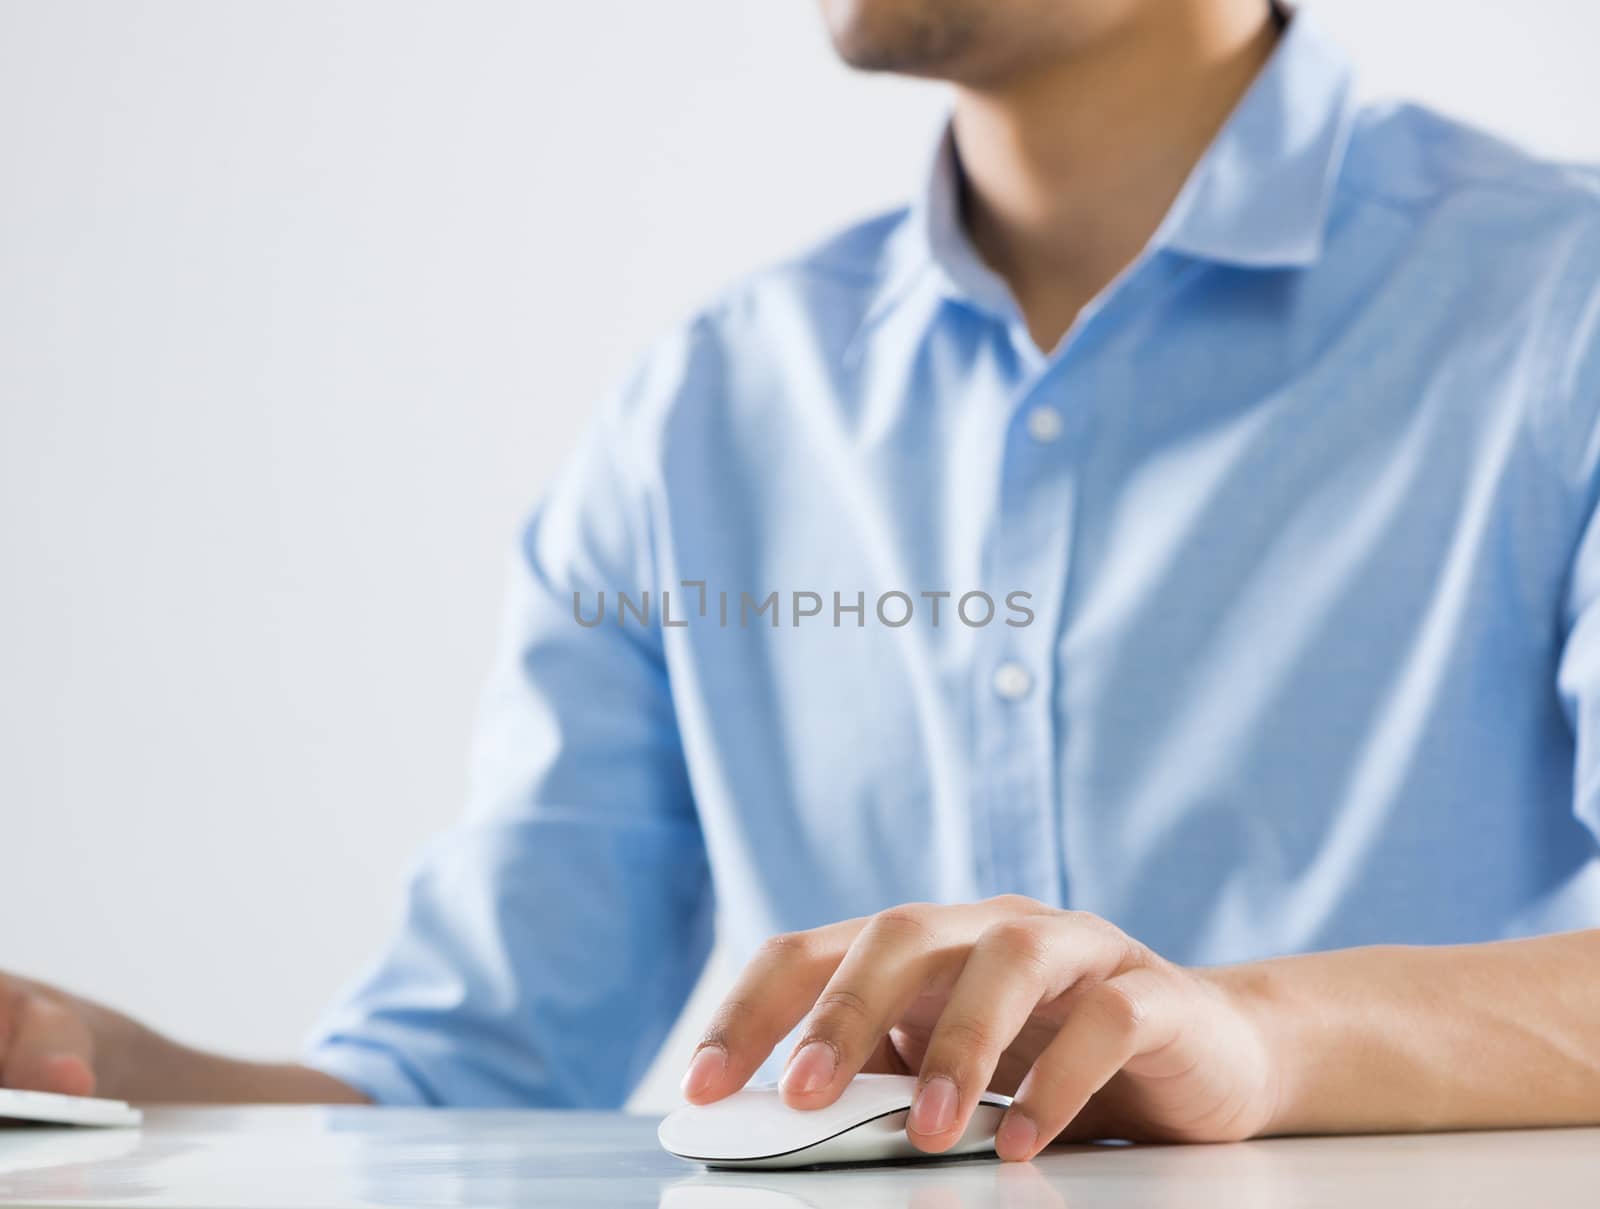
1268, 605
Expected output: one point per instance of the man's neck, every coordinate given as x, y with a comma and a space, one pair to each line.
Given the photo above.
1070, 168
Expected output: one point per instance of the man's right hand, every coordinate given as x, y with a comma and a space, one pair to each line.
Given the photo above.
46, 1040
54, 1041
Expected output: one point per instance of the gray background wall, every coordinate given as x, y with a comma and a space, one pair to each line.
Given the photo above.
301, 303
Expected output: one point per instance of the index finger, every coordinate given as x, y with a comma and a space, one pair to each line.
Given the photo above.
893, 959
772, 995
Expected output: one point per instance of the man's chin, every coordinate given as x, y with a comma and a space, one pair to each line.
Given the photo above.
930, 38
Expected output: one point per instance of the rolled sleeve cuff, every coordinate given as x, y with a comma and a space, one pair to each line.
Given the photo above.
372, 1070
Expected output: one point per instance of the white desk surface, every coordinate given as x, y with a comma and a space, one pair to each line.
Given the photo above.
291, 1158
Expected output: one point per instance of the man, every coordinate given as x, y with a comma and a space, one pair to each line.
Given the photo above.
1180, 515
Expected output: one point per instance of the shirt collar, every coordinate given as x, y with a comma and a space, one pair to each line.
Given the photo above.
1258, 198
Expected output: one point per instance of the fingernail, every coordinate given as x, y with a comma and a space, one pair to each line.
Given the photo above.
705, 1068
1016, 1138
812, 1068
934, 1109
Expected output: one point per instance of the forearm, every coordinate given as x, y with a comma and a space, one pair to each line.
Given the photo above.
1465, 1037
136, 1063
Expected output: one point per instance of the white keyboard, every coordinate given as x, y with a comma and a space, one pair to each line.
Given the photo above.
65, 1110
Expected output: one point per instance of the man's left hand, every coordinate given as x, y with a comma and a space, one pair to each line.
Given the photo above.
1094, 1035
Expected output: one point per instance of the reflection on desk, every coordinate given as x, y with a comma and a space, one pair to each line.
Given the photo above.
289, 1158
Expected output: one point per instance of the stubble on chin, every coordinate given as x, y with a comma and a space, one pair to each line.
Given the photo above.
907, 37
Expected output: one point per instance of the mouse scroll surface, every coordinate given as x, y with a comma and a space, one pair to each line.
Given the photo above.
754, 1128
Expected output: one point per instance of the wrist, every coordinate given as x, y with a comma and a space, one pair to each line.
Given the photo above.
119, 1044
1259, 998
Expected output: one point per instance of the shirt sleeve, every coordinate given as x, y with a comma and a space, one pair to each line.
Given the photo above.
549, 940
1576, 388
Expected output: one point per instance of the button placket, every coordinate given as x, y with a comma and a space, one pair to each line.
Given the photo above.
1019, 796
1019, 836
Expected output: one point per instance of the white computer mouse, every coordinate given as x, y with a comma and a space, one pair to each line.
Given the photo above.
866, 1124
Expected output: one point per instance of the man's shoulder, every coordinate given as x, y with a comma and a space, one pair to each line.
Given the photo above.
831, 280
805, 306
858, 255
1408, 155
810, 301
1514, 238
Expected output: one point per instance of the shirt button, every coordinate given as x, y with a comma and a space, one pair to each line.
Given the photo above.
1012, 681
1044, 424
